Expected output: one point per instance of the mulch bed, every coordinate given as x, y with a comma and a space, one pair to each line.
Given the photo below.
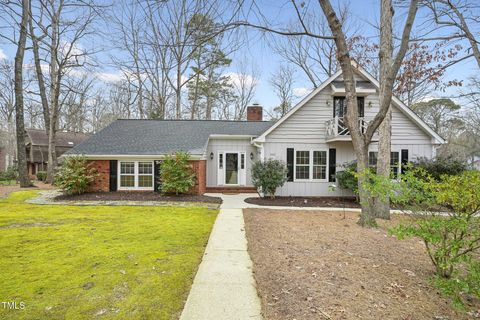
347, 202
137, 196
320, 265
5, 190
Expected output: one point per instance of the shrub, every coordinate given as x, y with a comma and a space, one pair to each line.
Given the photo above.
41, 175
269, 175
439, 166
176, 174
451, 237
10, 174
75, 175
347, 178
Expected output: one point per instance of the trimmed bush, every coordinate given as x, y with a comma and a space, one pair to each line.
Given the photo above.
10, 174
176, 174
75, 175
41, 175
269, 175
347, 178
439, 166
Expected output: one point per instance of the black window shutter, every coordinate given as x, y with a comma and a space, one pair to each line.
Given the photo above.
361, 106
404, 159
332, 164
290, 164
156, 175
113, 175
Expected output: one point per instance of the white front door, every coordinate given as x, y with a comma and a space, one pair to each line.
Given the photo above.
231, 168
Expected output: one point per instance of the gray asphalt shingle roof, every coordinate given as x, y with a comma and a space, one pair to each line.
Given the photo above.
157, 137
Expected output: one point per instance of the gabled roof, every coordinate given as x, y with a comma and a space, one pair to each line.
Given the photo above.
395, 101
160, 137
39, 137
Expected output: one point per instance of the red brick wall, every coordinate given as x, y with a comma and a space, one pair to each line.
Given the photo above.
254, 113
102, 181
199, 167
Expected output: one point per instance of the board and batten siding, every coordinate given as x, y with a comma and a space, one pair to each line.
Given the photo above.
228, 145
306, 130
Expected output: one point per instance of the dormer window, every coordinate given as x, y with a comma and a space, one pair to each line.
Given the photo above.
340, 107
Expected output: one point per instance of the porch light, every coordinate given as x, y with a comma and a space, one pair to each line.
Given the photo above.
211, 155
251, 155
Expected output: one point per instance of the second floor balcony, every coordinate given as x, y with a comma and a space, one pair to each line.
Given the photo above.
336, 129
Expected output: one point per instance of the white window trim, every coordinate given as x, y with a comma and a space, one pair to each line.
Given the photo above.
399, 163
135, 175
310, 165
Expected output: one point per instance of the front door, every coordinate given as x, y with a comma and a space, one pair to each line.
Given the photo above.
231, 168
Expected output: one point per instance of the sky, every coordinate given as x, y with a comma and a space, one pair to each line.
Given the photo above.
258, 54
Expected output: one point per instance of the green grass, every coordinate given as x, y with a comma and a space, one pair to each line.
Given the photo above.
140, 260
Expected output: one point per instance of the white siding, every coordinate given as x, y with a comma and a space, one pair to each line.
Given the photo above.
228, 145
305, 130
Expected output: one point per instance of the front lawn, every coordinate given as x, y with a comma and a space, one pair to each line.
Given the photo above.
108, 262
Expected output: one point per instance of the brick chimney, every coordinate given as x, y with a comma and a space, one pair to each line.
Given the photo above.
254, 112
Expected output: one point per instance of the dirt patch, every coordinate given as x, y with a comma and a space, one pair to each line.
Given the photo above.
337, 202
137, 196
6, 190
317, 265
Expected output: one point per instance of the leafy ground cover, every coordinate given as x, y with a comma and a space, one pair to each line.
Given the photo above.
98, 262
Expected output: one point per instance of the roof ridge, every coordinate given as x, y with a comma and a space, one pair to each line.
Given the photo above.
195, 120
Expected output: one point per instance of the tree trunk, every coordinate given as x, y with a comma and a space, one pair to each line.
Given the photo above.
178, 96
40, 79
382, 205
55, 78
18, 87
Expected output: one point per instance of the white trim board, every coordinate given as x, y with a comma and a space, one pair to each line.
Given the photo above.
437, 139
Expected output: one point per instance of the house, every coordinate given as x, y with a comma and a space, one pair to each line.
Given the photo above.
36, 142
311, 139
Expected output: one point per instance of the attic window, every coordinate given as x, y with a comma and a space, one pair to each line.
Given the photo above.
70, 143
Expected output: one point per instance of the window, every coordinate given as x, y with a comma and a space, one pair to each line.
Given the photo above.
242, 161
302, 168
127, 174
220, 160
394, 163
319, 164
145, 174
136, 175
311, 165
340, 107
372, 159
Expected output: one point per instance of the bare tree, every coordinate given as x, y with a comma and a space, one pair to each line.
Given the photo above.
459, 16
389, 66
63, 25
7, 105
19, 108
282, 82
244, 87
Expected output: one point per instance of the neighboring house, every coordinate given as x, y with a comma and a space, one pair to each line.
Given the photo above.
37, 147
311, 139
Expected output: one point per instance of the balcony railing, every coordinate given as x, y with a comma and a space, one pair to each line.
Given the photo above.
336, 129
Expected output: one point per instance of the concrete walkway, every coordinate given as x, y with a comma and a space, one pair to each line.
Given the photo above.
224, 287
